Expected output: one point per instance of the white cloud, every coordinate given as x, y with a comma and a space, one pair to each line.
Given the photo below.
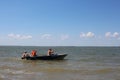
46, 36
18, 36
82, 35
64, 37
87, 35
114, 35
108, 34
90, 34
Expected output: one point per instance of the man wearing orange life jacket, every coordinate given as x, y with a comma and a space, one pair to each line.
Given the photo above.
33, 53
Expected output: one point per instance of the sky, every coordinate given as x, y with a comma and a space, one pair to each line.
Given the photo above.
60, 22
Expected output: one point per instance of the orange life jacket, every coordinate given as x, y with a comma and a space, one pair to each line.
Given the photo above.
33, 53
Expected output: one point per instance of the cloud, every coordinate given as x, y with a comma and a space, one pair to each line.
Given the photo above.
114, 35
18, 36
64, 37
46, 36
87, 35
108, 34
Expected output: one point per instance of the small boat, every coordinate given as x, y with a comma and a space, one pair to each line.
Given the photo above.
46, 57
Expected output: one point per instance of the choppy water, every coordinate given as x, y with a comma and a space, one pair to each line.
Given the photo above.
82, 63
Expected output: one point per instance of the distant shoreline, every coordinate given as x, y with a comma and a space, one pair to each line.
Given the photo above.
52, 46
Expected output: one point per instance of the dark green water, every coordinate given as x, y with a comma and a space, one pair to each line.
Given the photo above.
82, 63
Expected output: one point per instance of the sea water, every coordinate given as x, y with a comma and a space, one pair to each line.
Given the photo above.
82, 63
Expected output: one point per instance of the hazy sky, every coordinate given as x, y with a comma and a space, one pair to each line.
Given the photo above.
60, 22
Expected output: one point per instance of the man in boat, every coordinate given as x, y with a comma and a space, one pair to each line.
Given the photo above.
50, 52
33, 53
25, 54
